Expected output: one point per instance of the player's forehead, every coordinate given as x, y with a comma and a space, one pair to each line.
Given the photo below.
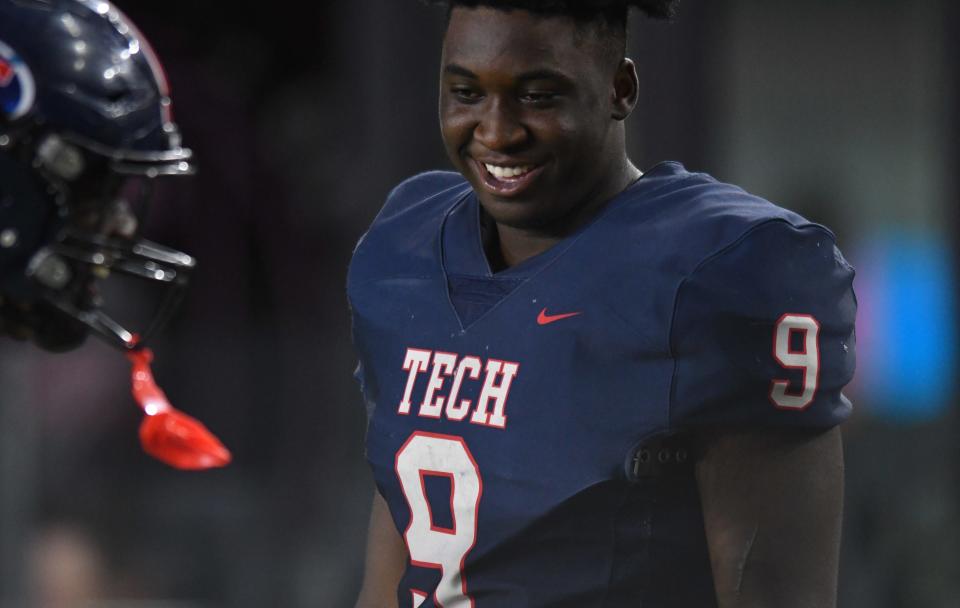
485, 38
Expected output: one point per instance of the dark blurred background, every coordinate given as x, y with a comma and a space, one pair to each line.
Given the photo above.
302, 117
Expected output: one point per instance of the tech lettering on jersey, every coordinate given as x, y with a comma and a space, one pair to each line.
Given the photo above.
491, 405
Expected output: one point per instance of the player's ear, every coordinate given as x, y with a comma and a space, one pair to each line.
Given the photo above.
626, 89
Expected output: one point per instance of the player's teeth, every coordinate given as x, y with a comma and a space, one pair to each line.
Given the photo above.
506, 172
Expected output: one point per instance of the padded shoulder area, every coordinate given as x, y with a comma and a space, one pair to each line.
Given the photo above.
692, 216
411, 216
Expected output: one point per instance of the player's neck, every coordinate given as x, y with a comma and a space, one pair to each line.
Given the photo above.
511, 245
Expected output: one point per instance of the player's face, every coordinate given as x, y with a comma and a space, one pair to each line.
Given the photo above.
526, 114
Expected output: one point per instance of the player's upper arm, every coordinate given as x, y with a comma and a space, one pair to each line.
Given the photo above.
763, 339
386, 559
772, 505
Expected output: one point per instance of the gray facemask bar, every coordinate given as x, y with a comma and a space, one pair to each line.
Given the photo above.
140, 259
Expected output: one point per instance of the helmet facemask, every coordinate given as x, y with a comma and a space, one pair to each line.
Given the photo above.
96, 204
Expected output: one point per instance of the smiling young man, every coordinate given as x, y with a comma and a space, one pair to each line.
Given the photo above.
587, 385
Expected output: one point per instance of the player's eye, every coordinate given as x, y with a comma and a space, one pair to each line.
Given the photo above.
465, 94
538, 97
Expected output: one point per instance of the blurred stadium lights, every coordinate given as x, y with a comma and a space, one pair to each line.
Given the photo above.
906, 326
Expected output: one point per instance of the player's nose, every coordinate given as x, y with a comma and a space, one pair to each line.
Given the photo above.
498, 127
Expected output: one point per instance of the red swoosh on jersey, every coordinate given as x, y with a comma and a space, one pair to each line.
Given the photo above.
544, 319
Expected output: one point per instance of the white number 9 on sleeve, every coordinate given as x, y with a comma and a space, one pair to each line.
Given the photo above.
806, 358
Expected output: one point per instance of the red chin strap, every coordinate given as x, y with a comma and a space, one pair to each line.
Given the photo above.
166, 433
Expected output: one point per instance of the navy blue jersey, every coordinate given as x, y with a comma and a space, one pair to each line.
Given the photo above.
505, 409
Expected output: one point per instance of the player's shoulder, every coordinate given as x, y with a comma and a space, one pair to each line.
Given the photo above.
754, 275
419, 201
408, 222
422, 195
698, 217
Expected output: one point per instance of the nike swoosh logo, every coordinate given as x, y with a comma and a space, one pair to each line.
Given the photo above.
544, 319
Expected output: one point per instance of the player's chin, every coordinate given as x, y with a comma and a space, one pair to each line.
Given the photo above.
520, 213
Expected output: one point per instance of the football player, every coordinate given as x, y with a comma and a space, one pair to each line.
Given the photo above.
85, 126
589, 385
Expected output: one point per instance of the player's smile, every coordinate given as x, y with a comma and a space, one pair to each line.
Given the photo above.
506, 179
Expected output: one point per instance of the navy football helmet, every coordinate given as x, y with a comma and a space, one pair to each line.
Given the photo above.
85, 124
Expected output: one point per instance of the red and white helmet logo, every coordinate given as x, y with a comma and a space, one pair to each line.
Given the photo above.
17, 89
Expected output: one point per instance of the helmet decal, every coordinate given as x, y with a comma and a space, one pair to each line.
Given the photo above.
17, 89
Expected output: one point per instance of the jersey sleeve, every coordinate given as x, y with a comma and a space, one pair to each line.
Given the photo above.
763, 333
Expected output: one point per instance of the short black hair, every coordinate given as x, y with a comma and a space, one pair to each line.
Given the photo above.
613, 11
610, 14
